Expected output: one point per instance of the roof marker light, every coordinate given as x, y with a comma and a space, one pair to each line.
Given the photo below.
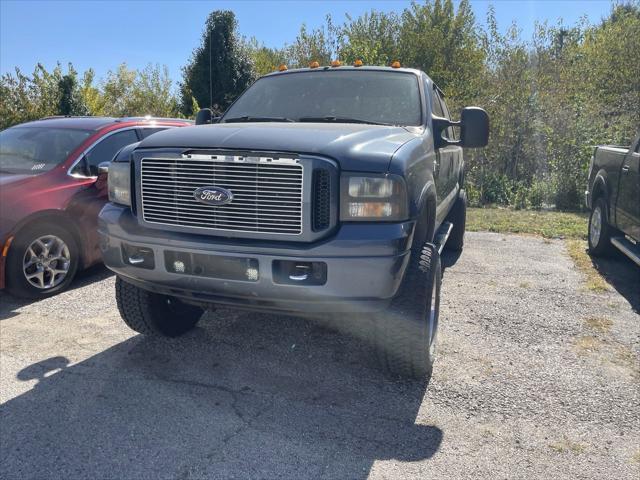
395, 64
336, 63
282, 68
357, 63
314, 64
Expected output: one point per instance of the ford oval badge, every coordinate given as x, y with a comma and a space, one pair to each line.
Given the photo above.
213, 195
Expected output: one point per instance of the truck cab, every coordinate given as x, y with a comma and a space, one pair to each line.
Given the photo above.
320, 190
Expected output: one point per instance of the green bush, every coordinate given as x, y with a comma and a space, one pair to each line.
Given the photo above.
539, 194
473, 194
519, 196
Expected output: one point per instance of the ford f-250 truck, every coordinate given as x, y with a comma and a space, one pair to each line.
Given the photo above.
320, 190
613, 196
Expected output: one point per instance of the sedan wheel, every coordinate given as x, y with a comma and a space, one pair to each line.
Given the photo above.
42, 260
46, 262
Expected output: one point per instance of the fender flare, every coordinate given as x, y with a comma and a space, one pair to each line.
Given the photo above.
600, 185
426, 214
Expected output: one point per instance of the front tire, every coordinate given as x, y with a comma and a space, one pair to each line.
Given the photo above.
42, 261
599, 229
406, 332
154, 314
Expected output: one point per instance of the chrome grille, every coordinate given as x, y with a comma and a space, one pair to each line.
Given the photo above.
267, 193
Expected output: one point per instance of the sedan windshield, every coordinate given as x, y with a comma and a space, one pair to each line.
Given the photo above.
338, 96
37, 149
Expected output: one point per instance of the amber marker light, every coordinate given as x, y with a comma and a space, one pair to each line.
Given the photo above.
314, 65
357, 63
5, 250
336, 63
282, 68
395, 64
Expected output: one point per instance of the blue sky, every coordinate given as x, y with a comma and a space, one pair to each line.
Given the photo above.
101, 34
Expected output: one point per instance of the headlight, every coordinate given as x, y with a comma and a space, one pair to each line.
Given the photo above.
370, 198
119, 181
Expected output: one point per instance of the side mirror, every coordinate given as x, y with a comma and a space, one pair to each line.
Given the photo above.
205, 117
103, 168
474, 127
82, 170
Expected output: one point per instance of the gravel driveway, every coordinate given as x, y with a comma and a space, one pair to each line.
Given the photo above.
537, 377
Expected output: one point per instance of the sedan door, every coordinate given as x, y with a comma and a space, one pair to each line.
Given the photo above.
87, 204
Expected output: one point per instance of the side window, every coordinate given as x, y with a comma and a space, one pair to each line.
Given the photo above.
107, 148
435, 104
451, 132
441, 110
145, 132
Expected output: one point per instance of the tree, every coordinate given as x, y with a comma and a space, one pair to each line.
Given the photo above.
128, 92
71, 101
445, 44
219, 69
372, 38
318, 45
26, 98
265, 60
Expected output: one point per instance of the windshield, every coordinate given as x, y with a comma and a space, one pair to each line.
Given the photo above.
325, 95
37, 149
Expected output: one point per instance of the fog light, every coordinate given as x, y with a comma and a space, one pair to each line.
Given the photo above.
252, 274
178, 266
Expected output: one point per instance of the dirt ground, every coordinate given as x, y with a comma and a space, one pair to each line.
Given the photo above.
537, 377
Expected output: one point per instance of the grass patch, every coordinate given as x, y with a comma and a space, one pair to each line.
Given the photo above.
548, 224
588, 344
578, 252
566, 445
609, 353
624, 357
599, 324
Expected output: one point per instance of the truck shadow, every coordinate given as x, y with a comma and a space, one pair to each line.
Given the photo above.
622, 274
249, 395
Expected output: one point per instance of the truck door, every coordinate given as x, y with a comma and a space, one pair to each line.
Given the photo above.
444, 156
455, 155
628, 202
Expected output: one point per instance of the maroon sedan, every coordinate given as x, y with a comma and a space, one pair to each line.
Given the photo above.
51, 190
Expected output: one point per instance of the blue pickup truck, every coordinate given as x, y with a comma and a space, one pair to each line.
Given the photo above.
326, 190
613, 196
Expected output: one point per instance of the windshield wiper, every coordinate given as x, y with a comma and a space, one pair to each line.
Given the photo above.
248, 118
340, 120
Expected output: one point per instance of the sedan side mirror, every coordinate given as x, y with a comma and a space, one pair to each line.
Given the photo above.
474, 127
103, 168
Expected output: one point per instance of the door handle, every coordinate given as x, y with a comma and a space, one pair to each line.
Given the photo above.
625, 169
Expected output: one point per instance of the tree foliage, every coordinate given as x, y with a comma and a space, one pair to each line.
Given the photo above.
221, 66
551, 98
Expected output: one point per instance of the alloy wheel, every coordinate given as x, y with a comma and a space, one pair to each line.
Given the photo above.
46, 262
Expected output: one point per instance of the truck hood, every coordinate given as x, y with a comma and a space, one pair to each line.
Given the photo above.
355, 147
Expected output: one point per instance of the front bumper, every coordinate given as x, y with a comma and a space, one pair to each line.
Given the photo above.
365, 265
